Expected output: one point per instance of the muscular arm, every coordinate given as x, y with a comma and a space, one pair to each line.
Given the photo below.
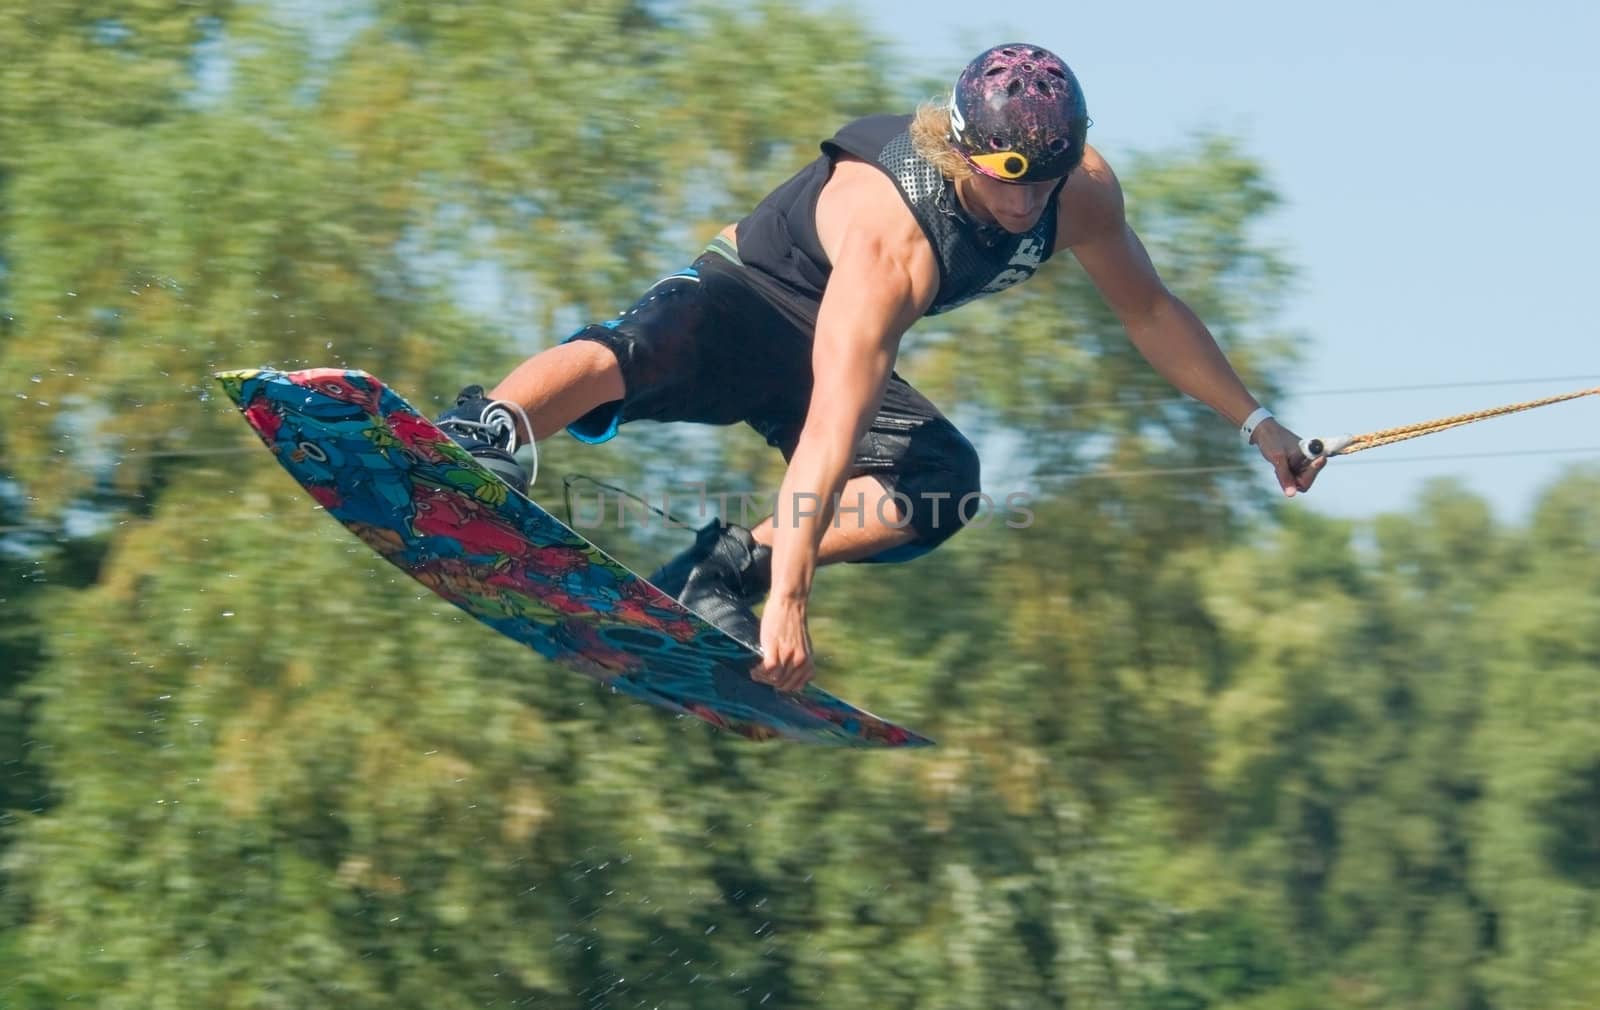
1165, 330
883, 278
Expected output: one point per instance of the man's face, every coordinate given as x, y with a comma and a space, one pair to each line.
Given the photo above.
1014, 206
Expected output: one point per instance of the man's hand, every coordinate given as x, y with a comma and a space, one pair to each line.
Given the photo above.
1281, 447
785, 646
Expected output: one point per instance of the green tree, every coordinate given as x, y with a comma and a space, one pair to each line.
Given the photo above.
1193, 754
1538, 846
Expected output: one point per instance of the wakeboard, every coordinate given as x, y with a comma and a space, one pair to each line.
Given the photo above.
406, 490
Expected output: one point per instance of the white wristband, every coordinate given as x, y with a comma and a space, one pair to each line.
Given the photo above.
1247, 430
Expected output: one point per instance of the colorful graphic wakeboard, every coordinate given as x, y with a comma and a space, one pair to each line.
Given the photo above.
410, 493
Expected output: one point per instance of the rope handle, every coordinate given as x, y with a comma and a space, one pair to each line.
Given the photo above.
1343, 445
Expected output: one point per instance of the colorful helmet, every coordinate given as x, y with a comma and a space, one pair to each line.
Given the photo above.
1017, 114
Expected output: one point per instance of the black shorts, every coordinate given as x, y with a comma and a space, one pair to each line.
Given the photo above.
704, 346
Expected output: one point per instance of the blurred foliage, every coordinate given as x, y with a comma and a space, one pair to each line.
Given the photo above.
1193, 754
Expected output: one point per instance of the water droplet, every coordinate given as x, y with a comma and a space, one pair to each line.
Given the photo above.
227, 613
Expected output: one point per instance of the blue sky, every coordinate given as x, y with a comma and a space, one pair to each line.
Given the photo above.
1438, 165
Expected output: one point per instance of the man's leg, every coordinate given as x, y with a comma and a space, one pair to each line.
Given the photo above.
647, 357
561, 384
911, 448
914, 473
544, 394
728, 568
867, 522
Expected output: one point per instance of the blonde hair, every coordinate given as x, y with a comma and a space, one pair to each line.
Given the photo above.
930, 136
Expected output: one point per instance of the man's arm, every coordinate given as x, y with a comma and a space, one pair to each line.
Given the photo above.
858, 334
1165, 330
883, 277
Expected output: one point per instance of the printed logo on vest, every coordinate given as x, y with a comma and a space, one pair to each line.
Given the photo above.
1021, 266
1029, 254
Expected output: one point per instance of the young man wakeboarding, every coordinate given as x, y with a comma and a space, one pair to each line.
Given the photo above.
790, 321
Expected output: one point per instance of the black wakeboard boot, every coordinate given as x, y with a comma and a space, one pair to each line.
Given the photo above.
487, 429
721, 576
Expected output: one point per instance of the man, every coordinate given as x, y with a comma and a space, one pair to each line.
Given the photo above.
900, 217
